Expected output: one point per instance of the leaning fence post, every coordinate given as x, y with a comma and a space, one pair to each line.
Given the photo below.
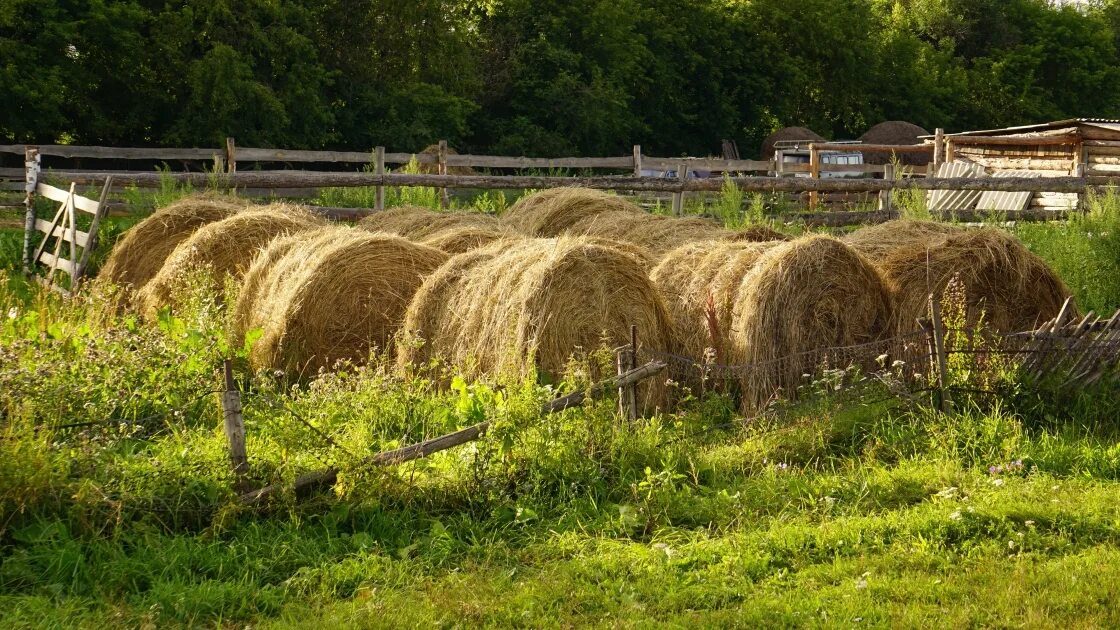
678, 197
633, 393
234, 425
231, 155
625, 408
885, 196
445, 193
379, 169
937, 338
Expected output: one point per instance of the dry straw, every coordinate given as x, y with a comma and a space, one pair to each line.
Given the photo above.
552, 212
805, 295
756, 234
1013, 287
499, 309
459, 239
877, 242
700, 284
656, 234
223, 248
139, 254
345, 299
397, 220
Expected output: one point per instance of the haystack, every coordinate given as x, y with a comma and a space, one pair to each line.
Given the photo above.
656, 234
499, 309
397, 220
1013, 288
789, 133
700, 284
800, 297
549, 213
346, 297
756, 234
139, 254
433, 168
456, 240
895, 132
224, 248
877, 242
260, 281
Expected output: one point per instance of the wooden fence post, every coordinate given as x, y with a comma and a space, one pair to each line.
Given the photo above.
938, 152
231, 155
444, 193
379, 169
886, 197
31, 166
779, 163
814, 172
950, 151
937, 335
637, 160
678, 197
91, 242
234, 425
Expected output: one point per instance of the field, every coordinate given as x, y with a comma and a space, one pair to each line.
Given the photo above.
851, 507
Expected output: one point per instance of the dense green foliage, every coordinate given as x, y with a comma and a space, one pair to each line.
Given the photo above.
542, 77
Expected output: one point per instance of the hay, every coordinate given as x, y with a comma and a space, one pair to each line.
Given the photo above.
700, 283
397, 220
550, 213
346, 298
262, 278
456, 240
788, 133
490, 310
895, 132
1012, 286
877, 242
656, 234
224, 248
433, 168
139, 254
756, 234
805, 295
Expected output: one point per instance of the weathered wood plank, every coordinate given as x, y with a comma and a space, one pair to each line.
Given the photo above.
59, 195
59, 232
706, 164
55, 261
1015, 141
127, 153
875, 148
497, 161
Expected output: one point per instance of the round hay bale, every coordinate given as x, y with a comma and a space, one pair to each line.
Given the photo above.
700, 282
656, 234
347, 297
501, 309
451, 221
796, 134
756, 234
802, 296
876, 242
261, 279
1013, 288
397, 220
224, 248
550, 213
456, 240
141, 251
433, 168
895, 132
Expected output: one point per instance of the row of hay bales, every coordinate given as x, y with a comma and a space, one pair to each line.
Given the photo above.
564, 270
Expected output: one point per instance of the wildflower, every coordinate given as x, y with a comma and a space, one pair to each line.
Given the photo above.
882, 359
1029, 523
898, 363
995, 470
1011, 544
781, 466
956, 516
13, 313
997, 482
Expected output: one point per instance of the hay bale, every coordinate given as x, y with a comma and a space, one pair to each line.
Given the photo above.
802, 134
1012, 286
876, 242
500, 309
397, 220
808, 294
142, 250
550, 213
756, 234
261, 279
459, 239
895, 132
433, 168
700, 284
346, 298
224, 248
656, 234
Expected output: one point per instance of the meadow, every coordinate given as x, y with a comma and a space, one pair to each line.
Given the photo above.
858, 507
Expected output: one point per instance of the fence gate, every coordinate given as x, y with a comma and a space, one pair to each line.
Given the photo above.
61, 232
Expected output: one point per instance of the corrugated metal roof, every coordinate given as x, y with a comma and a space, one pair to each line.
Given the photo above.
1003, 200
950, 200
1104, 123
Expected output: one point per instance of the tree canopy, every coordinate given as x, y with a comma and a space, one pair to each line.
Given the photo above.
542, 77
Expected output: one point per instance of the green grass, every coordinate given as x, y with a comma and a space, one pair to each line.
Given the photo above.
117, 505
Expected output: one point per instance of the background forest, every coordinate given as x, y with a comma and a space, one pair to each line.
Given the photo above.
542, 77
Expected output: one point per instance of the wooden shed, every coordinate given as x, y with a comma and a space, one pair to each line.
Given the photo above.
1080, 146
